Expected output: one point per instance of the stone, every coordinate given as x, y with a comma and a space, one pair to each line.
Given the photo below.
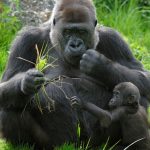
31, 12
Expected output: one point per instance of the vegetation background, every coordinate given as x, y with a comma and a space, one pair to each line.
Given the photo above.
130, 17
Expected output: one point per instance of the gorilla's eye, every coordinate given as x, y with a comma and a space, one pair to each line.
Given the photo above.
67, 31
95, 23
116, 94
54, 21
131, 99
82, 32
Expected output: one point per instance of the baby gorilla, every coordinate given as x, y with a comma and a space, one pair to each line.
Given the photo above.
125, 108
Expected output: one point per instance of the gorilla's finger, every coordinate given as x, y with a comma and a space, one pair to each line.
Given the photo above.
74, 101
35, 73
74, 104
28, 89
28, 79
39, 80
91, 52
83, 63
30, 86
85, 57
38, 87
47, 79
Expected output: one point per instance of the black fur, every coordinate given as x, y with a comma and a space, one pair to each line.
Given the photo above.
91, 78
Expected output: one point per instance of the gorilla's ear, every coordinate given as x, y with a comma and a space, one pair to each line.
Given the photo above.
54, 21
95, 23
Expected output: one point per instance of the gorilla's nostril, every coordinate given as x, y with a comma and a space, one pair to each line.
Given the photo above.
73, 45
79, 44
76, 43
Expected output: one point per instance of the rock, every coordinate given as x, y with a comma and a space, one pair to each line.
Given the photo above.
31, 12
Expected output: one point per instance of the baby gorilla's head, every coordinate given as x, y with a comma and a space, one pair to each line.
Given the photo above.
125, 94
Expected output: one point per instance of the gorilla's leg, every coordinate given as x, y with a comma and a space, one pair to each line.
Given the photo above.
22, 129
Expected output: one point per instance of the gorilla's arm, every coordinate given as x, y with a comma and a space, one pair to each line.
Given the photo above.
104, 116
112, 73
17, 76
24, 47
113, 63
96, 111
11, 90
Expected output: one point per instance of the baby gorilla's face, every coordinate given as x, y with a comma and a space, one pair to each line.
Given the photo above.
116, 100
125, 94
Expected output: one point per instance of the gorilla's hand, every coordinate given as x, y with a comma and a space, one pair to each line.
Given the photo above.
32, 81
106, 121
93, 62
76, 102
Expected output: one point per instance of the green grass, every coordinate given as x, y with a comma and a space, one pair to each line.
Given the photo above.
8, 27
126, 16
7, 146
3, 59
131, 21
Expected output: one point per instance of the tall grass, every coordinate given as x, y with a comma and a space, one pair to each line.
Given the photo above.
130, 20
125, 16
9, 25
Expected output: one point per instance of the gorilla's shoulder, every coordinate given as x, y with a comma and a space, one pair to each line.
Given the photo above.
105, 31
29, 36
35, 32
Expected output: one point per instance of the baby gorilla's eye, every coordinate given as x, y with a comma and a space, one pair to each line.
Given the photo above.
130, 99
116, 93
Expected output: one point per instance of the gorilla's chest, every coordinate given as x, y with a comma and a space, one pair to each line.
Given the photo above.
91, 91
86, 88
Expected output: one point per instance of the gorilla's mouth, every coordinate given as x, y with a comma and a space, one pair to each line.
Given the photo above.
73, 60
77, 58
133, 105
112, 107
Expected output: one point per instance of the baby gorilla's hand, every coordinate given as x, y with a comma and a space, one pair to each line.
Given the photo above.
76, 102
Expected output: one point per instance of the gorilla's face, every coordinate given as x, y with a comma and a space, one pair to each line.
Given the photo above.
125, 94
73, 31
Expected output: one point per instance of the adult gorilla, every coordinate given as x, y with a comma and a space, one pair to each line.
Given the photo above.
90, 63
